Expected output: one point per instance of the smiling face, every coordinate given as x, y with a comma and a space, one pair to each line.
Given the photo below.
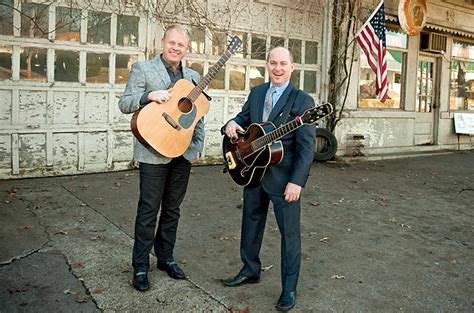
279, 66
175, 46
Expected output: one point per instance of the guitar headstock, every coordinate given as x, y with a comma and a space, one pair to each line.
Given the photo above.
234, 44
312, 115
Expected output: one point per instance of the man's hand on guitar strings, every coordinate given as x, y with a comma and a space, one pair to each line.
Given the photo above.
232, 128
160, 96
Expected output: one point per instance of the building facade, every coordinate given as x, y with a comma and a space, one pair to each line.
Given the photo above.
63, 69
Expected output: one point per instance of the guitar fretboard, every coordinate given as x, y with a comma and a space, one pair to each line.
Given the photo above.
276, 134
194, 94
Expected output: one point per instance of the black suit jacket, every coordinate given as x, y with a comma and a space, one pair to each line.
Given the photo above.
298, 145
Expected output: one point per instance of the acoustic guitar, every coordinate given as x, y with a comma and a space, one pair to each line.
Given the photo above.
168, 127
247, 157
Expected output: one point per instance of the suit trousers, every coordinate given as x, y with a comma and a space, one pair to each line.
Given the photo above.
165, 185
287, 214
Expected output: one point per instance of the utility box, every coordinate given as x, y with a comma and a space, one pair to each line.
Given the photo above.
355, 145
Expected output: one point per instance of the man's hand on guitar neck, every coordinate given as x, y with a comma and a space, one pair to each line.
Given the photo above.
232, 128
160, 96
292, 192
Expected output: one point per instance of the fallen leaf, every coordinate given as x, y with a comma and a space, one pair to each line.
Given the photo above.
338, 277
81, 298
313, 233
315, 203
324, 239
239, 310
83, 186
98, 290
12, 192
95, 237
26, 227
69, 292
392, 220
16, 290
61, 232
226, 238
266, 268
452, 262
77, 265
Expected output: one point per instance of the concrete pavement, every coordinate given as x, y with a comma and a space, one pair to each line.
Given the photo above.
381, 236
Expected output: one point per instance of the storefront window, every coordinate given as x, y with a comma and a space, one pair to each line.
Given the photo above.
197, 40
68, 24
97, 70
66, 66
294, 45
396, 58
6, 17
34, 20
33, 64
5, 62
258, 47
311, 52
218, 43
295, 78
242, 51
197, 66
277, 42
461, 95
256, 75
127, 30
236, 77
218, 81
123, 64
98, 28
310, 81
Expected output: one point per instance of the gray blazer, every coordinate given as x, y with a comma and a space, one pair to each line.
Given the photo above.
148, 76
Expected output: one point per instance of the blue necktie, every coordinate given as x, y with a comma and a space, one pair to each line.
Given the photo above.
268, 104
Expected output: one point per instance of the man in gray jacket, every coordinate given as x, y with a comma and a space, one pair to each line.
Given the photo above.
163, 181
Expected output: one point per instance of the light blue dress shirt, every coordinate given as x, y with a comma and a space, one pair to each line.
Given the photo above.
278, 92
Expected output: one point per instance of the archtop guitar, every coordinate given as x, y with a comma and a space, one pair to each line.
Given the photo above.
168, 127
247, 157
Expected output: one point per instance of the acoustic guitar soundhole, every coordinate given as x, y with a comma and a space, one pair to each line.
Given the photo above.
185, 105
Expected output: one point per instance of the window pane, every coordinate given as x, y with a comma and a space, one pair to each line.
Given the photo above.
257, 75
218, 81
6, 17
66, 66
197, 66
33, 64
258, 48
5, 62
97, 70
123, 64
425, 82
68, 24
237, 77
295, 78
34, 20
242, 51
311, 52
310, 81
461, 95
218, 43
127, 30
277, 42
98, 28
396, 38
197, 40
294, 45
463, 50
367, 95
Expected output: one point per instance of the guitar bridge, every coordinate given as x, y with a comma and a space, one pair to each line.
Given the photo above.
170, 121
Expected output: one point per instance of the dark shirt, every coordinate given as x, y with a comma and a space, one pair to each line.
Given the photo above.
174, 77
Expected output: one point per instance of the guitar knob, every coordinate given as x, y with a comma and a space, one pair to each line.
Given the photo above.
224, 170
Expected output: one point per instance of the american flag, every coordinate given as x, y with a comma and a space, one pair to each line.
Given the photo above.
371, 38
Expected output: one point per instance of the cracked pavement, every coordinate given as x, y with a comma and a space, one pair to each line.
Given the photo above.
394, 235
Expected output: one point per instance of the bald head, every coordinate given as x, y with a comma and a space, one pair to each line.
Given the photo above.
281, 50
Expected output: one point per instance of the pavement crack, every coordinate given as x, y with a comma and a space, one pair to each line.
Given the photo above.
218, 300
98, 212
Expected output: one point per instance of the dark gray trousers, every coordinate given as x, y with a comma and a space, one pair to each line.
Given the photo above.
160, 185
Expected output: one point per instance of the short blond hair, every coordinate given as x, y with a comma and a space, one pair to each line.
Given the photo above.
282, 48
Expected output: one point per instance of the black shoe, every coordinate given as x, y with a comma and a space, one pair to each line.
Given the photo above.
286, 301
173, 270
240, 280
140, 281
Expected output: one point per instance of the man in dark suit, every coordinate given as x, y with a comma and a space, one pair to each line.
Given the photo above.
163, 181
282, 183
